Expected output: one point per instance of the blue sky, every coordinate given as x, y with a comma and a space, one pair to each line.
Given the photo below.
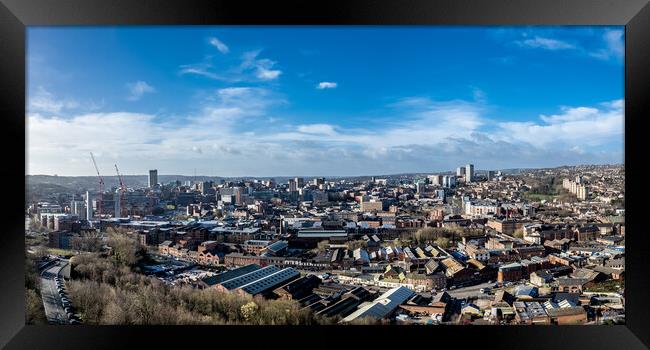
272, 101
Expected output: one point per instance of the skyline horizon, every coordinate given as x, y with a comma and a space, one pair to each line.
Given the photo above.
476, 170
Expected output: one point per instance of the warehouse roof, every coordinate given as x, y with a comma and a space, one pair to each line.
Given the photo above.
382, 306
270, 281
249, 277
228, 275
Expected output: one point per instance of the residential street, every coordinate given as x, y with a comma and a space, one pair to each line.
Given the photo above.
51, 300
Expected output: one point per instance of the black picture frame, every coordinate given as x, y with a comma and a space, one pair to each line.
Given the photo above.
15, 15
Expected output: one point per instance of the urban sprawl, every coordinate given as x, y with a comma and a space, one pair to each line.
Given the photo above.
520, 246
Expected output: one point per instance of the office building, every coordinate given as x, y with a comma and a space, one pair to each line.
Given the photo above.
420, 187
372, 205
89, 205
237, 192
206, 187
440, 194
460, 171
153, 178
118, 204
78, 208
469, 173
293, 185
448, 181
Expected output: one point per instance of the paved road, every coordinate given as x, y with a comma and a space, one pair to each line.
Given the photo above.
471, 291
51, 300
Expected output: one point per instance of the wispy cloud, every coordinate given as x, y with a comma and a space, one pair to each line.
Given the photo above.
545, 43
202, 70
321, 129
610, 46
478, 94
262, 67
326, 85
250, 68
45, 101
614, 46
219, 45
138, 89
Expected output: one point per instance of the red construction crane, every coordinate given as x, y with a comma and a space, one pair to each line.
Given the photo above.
101, 187
122, 190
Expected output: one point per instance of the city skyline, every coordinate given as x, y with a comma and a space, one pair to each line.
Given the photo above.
331, 102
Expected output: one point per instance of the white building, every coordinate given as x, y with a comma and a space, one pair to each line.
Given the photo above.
89, 205
469, 173
79, 209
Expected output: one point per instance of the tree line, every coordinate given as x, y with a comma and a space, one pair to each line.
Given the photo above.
107, 289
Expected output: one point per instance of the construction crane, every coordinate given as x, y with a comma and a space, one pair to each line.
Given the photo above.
101, 186
122, 190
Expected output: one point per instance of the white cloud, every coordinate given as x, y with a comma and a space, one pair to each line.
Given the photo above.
203, 70
545, 43
326, 85
262, 67
219, 45
323, 129
571, 114
138, 89
45, 101
250, 69
234, 134
614, 46
267, 74
615, 42
417, 121
578, 126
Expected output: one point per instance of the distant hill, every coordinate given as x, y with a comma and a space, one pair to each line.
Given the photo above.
83, 183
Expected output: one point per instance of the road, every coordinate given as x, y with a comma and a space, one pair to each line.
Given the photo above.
51, 300
471, 291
